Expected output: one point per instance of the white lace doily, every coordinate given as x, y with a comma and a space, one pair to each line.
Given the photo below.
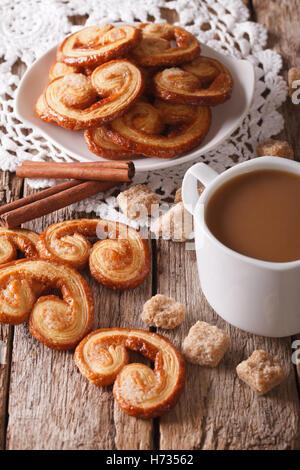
29, 27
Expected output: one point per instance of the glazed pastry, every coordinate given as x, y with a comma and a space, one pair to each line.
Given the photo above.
42, 110
120, 260
88, 70
12, 240
97, 44
101, 145
172, 113
59, 323
73, 101
204, 81
142, 129
156, 47
139, 390
59, 69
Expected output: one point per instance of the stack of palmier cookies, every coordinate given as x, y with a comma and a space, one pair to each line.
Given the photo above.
134, 90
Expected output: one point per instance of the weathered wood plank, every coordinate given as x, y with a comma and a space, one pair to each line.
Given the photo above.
10, 189
217, 411
51, 405
282, 18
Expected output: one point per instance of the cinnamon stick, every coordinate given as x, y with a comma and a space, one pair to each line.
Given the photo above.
37, 196
79, 191
99, 171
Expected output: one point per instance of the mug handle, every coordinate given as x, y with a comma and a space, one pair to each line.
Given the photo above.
199, 172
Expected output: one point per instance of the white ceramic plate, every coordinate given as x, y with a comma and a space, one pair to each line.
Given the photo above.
225, 117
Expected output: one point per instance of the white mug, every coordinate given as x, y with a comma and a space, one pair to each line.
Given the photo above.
257, 296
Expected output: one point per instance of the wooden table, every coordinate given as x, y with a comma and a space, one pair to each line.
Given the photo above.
46, 404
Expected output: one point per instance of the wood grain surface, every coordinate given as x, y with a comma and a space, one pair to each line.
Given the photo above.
282, 19
46, 404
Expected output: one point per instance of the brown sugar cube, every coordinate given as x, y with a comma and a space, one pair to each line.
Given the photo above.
293, 76
275, 148
176, 224
178, 194
137, 201
205, 344
163, 312
260, 371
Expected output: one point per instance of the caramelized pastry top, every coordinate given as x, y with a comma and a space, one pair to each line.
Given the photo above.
59, 69
60, 323
12, 240
42, 110
204, 81
119, 260
101, 145
139, 390
143, 129
156, 47
97, 44
73, 100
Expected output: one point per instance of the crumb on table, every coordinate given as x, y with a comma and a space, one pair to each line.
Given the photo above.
163, 312
275, 148
261, 371
205, 344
